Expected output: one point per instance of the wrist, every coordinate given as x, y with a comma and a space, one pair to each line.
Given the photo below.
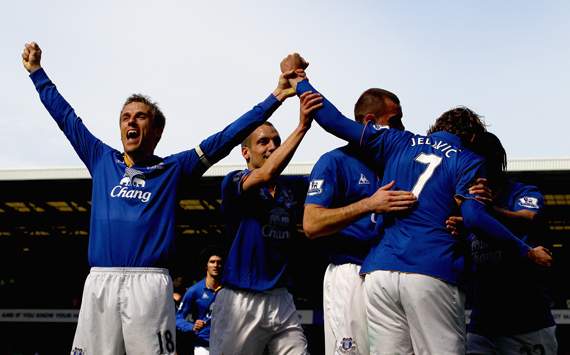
282, 94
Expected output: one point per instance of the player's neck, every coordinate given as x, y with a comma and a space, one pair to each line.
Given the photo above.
212, 283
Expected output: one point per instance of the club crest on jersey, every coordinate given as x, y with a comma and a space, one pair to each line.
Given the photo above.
363, 180
130, 186
347, 346
315, 187
77, 351
528, 202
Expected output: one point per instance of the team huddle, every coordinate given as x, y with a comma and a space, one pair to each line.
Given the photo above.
411, 221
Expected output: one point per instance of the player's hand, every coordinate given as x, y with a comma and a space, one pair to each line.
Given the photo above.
482, 191
284, 88
384, 200
454, 225
540, 256
293, 62
310, 101
31, 57
199, 324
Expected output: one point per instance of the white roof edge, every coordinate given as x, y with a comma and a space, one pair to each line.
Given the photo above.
554, 164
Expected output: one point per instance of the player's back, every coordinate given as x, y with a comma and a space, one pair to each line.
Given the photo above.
436, 168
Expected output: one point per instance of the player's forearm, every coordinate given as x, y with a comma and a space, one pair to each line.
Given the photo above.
475, 216
332, 120
220, 144
59, 109
319, 221
183, 325
277, 161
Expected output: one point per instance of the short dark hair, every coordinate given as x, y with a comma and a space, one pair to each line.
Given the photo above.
210, 251
247, 141
158, 119
374, 101
460, 121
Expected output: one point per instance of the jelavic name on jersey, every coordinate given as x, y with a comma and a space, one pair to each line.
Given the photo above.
442, 146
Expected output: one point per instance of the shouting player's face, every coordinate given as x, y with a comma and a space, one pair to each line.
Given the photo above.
262, 143
214, 267
138, 133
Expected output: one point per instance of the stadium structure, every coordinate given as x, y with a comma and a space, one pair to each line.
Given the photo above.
44, 230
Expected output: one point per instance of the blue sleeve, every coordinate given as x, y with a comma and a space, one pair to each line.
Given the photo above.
219, 145
475, 216
232, 189
323, 183
184, 309
472, 168
87, 146
330, 118
529, 198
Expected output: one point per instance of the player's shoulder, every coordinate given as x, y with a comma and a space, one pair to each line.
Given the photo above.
335, 156
235, 176
521, 190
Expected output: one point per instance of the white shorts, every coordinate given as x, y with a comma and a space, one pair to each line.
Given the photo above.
126, 310
245, 323
542, 341
413, 314
344, 310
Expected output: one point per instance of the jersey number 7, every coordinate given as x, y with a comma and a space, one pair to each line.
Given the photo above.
432, 161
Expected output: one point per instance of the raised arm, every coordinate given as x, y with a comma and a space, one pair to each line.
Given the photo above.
279, 159
219, 145
319, 221
87, 146
328, 117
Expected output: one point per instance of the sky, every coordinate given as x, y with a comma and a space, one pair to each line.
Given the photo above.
208, 62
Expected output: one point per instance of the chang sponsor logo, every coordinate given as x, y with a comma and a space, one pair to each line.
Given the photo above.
130, 188
278, 225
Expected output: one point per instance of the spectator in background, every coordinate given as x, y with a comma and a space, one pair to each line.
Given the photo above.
194, 313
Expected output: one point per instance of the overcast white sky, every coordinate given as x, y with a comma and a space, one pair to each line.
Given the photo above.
207, 62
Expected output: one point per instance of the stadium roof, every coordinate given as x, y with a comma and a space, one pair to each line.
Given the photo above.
221, 170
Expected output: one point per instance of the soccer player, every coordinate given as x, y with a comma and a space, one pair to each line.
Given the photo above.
413, 301
127, 299
197, 303
510, 311
255, 311
341, 203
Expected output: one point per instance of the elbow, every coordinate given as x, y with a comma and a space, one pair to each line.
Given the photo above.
310, 230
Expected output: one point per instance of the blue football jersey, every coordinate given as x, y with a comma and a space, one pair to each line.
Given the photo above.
133, 208
340, 178
261, 226
508, 295
196, 305
436, 168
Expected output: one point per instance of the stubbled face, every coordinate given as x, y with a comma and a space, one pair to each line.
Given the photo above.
214, 267
138, 134
262, 143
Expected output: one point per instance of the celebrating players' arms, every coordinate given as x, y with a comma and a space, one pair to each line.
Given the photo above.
319, 221
279, 156
133, 211
333, 121
476, 217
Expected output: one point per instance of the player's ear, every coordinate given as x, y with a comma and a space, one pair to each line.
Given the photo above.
367, 118
245, 153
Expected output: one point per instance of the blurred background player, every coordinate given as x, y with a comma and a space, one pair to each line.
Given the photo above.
127, 299
510, 309
255, 312
193, 318
417, 256
341, 202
